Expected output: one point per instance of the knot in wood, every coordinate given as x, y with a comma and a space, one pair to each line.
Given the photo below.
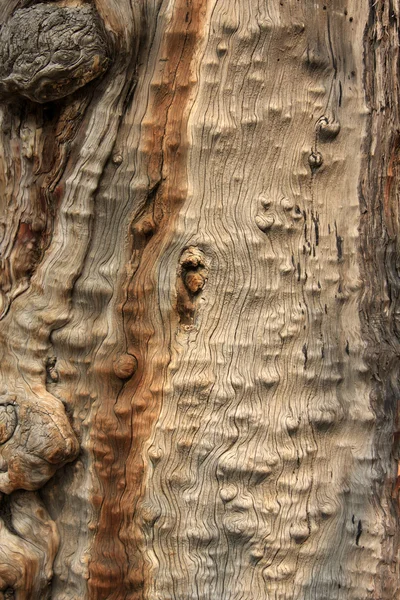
193, 270
125, 366
48, 51
327, 130
315, 160
36, 440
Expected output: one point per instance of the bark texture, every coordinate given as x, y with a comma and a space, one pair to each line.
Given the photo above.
199, 300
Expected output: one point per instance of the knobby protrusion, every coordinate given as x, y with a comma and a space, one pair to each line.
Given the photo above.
125, 366
315, 160
192, 277
36, 439
48, 51
327, 129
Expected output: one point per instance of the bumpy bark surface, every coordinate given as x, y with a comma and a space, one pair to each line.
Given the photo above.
199, 300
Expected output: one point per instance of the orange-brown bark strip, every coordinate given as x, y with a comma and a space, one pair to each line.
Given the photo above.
117, 568
379, 251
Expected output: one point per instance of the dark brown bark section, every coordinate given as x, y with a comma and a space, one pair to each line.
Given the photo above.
380, 268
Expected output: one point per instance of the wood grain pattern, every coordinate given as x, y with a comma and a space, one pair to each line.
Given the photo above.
198, 289
261, 486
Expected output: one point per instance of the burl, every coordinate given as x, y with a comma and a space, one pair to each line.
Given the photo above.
48, 52
36, 439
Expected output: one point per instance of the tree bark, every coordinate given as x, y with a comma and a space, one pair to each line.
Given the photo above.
199, 284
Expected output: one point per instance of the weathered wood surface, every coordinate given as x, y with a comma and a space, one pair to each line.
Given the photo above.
199, 282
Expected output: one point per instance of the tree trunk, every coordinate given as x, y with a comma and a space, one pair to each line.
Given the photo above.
199, 282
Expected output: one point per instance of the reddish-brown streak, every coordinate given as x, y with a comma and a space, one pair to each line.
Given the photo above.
390, 203
117, 568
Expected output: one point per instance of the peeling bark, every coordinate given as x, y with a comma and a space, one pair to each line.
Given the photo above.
198, 300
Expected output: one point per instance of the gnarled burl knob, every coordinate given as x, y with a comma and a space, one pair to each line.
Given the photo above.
49, 51
37, 439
